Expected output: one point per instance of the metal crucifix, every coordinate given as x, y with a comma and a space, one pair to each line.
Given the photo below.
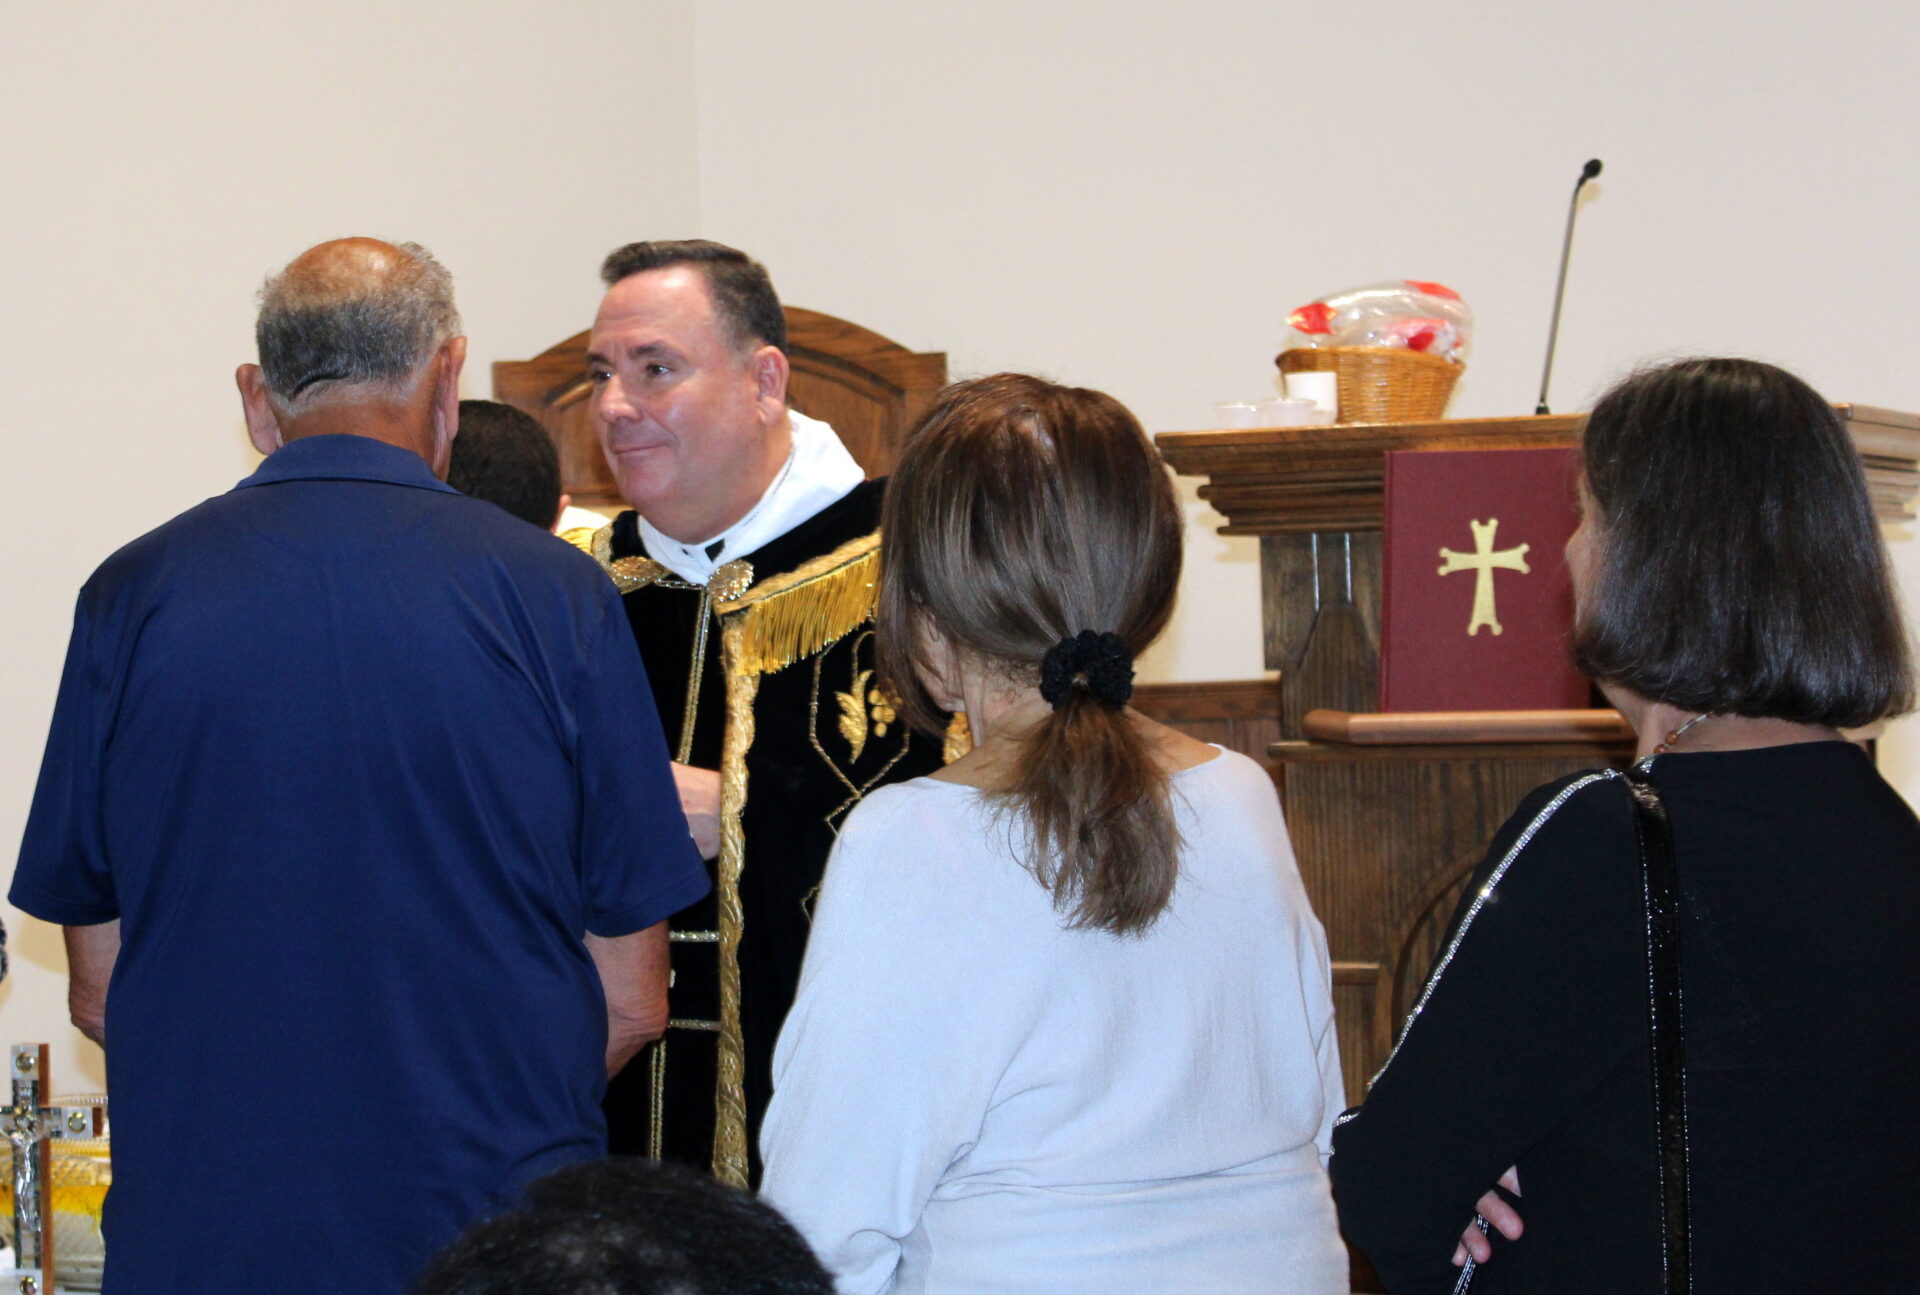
32, 1126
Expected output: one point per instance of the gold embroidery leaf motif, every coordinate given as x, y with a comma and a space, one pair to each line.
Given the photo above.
959, 738
730, 580
853, 713
629, 573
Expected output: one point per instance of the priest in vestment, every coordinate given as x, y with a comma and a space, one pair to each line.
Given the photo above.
747, 569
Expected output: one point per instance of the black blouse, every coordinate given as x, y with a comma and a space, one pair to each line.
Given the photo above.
1800, 894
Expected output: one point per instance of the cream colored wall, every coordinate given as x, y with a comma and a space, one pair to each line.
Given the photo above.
1117, 193
158, 160
1131, 196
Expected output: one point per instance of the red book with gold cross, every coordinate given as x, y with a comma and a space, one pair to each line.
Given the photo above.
1476, 606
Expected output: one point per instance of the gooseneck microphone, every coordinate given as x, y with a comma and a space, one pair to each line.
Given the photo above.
1587, 172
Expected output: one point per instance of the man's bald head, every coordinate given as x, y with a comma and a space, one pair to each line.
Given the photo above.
360, 338
352, 320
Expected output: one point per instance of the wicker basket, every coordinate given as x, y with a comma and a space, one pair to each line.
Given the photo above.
1380, 384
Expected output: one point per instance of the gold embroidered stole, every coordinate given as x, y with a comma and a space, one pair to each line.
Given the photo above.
763, 629
786, 618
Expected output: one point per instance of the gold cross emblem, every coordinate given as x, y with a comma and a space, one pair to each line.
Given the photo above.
1482, 562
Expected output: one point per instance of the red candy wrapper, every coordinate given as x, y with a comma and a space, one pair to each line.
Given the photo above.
1315, 317
1416, 314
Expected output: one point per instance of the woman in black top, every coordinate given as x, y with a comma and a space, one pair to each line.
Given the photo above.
1733, 600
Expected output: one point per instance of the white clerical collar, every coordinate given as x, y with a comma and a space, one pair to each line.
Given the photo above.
818, 472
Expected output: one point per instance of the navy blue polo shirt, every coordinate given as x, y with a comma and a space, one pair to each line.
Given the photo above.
355, 760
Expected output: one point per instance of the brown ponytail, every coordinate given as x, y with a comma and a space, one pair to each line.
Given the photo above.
1023, 514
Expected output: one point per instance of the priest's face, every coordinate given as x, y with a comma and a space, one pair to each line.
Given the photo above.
693, 427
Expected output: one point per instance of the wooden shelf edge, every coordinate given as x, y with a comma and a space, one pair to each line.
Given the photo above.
1467, 727
1593, 754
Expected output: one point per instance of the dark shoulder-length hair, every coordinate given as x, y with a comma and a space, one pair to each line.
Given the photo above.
1738, 567
1022, 513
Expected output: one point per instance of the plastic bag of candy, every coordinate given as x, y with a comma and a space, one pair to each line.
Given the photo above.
1409, 313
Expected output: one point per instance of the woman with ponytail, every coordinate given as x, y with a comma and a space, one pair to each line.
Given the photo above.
1065, 1021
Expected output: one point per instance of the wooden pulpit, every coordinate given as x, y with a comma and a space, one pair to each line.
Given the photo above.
1388, 818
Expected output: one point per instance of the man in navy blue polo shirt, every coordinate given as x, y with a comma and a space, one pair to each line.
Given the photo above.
360, 823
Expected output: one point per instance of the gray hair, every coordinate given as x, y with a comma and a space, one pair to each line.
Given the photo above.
322, 339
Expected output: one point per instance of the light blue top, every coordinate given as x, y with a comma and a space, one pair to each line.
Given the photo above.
969, 1096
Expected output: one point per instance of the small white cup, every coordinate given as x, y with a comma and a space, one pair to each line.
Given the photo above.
1321, 386
1237, 413
1286, 413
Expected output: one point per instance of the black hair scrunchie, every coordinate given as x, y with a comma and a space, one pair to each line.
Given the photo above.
1102, 658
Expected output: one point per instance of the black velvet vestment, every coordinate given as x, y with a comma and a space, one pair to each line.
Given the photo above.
823, 736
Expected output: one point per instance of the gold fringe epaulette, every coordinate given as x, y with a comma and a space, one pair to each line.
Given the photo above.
581, 537
799, 613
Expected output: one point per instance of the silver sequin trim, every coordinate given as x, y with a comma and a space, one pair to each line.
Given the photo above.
1479, 902
1466, 1269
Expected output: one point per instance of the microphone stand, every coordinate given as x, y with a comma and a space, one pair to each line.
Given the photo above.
1590, 170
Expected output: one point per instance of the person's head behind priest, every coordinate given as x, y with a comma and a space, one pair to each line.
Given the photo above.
627, 1226
689, 368
360, 337
505, 457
